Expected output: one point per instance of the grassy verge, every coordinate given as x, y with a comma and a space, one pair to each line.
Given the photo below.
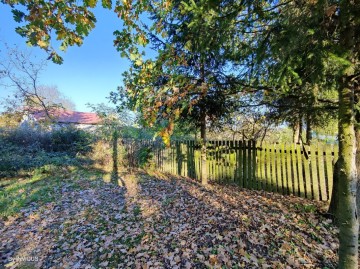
42, 186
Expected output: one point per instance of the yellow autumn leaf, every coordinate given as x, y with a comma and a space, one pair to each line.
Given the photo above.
42, 44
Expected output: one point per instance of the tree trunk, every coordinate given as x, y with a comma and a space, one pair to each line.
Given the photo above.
357, 135
334, 203
300, 130
347, 210
348, 180
114, 174
263, 137
204, 175
296, 132
308, 129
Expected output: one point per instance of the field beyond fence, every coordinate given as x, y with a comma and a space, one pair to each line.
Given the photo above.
305, 171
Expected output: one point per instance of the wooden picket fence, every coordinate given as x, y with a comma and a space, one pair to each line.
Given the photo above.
305, 171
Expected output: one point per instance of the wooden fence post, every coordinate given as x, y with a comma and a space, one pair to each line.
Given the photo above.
241, 164
268, 168
314, 173
321, 167
300, 170
307, 176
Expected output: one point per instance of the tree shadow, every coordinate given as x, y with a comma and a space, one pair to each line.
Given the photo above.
115, 177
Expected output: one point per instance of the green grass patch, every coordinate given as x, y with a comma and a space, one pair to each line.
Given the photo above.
136, 211
169, 200
41, 187
305, 208
18, 193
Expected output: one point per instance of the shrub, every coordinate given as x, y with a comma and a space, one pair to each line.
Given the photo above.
67, 139
145, 157
25, 148
70, 140
139, 154
101, 155
26, 136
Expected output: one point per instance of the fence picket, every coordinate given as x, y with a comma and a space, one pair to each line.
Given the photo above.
217, 172
241, 164
289, 170
263, 170
232, 157
300, 170
307, 175
278, 169
321, 168
268, 168
294, 169
258, 168
314, 173
236, 174
273, 169
245, 169
283, 169
249, 169
253, 164
227, 162
329, 170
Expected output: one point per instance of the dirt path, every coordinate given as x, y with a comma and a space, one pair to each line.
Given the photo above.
154, 222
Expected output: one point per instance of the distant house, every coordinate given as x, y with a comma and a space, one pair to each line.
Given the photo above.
62, 118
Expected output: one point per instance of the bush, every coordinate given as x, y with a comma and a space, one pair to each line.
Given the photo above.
15, 159
145, 157
25, 136
68, 139
101, 154
25, 149
138, 153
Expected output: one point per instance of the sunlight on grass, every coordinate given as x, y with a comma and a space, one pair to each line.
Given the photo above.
41, 187
107, 177
18, 193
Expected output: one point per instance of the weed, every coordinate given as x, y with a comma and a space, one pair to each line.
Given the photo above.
168, 200
308, 208
136, 211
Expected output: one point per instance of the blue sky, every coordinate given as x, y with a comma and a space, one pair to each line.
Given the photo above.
89, 72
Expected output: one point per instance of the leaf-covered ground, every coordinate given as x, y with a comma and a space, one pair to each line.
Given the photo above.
153, 221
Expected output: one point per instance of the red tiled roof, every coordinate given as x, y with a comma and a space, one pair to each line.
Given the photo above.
66, 116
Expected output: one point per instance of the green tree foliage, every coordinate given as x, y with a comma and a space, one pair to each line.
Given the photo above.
190, 79
300, 77
302, 106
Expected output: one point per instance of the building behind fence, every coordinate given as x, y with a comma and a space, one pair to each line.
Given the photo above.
305, 171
